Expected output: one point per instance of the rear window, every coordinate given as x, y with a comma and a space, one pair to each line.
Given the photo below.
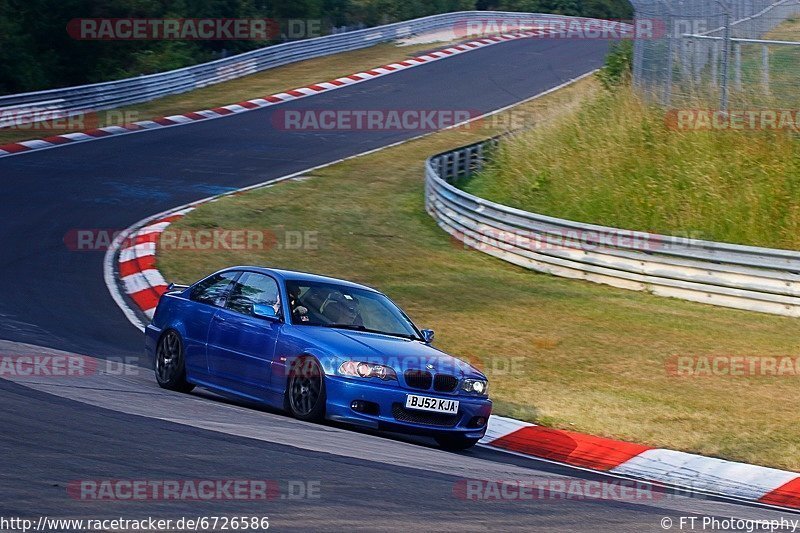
212, 289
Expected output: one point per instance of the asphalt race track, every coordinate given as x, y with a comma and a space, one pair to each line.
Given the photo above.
125, 427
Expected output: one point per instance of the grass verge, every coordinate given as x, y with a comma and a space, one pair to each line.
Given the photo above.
563, 353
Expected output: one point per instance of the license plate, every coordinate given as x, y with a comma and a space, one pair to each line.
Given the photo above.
437, 405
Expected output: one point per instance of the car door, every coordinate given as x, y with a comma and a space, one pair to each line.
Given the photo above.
241, 346
206, 297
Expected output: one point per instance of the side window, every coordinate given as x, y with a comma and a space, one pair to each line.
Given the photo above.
253, 289
211, 290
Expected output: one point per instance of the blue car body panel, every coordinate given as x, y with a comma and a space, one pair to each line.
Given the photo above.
250, 357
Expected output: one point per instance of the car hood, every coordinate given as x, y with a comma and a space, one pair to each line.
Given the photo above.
398, 353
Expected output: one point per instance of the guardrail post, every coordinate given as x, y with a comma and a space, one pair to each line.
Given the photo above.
667, 96
737, 66
469, 162
686, 71
765, 68
454, 165
714, 63
726, 48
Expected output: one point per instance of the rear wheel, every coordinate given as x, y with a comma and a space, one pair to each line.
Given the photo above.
456, 442
170, 363
305, 393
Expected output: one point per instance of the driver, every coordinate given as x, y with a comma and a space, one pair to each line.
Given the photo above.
342, 309
299, 311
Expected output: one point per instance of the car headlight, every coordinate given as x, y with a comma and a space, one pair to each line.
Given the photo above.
359, 369
477, 386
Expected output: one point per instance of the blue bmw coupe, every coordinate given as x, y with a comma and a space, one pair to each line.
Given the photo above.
319, 348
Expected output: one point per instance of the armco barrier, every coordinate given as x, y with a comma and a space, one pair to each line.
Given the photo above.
128, 91
744, 277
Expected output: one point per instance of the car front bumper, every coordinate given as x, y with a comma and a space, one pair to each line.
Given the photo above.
391, 414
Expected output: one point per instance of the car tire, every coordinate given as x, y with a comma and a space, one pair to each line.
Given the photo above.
170, 363
455, 442
305, 390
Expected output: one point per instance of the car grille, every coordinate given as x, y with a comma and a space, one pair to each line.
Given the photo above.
445, 383
418, 379
423, 417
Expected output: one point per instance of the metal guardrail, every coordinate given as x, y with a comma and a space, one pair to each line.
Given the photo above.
128, 91
743, 277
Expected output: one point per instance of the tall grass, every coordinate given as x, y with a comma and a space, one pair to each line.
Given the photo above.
614, 161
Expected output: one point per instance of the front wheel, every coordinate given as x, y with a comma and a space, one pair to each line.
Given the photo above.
305, 393
456, 442
170, 363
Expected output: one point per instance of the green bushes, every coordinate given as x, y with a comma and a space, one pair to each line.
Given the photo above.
618, 65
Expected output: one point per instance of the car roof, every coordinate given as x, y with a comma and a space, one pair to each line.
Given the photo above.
292, 275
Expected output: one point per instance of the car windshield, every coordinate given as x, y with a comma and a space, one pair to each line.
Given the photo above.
339, 306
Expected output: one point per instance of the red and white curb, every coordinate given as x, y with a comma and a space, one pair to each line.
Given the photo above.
136, 263
679, 469
7, 150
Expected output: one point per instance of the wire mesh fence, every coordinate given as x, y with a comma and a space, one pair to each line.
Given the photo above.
734, 54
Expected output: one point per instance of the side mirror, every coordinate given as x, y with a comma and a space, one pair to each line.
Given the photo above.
427, 335
265, 311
